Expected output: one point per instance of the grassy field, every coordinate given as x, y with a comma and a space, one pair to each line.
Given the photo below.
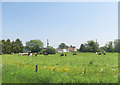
80, 68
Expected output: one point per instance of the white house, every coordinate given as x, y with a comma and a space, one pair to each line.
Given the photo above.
65, 50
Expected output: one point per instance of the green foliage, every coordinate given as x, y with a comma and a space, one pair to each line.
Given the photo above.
41, 51
37, 46
103, 48
13, 47
90, 46
34, 45
62, 46
117, 45
8, 46
3, 46
109, 47
82, 48
17, 46
94, 46
50, 50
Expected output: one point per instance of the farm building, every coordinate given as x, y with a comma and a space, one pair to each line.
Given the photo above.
69, 49
72, 48
65, 50
62, 50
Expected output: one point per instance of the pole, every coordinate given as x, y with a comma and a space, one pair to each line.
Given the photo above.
36, 68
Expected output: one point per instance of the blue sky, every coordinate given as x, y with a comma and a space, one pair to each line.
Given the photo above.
72, 23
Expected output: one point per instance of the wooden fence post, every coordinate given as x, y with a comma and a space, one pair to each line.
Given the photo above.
36, 68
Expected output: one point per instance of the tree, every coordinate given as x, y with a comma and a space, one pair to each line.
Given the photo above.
34, 45
82, 48
8, 46
62, 46
117, 45
17, 46
103, 48
109, 47
90, 46
94, 45
3, 46
14, 47
50, 50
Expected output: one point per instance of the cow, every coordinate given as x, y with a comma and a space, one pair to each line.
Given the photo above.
62, 54
74, 54
96, 53
99, 53
35, 54
40, 53
23, 54
20, 53
30, 55
11, 53
45, 53
103, 53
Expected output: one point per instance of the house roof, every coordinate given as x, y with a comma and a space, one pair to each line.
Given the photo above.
70, 48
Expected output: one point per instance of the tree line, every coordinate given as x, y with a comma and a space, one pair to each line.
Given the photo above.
14, 46
6, 46
91, 46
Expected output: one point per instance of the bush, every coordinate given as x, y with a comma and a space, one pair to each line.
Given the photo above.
41, 51
49, 50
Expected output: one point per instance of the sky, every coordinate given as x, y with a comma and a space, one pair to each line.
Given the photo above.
72, 23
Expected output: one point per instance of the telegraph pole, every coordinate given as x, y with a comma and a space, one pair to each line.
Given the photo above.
47, 43
96, 41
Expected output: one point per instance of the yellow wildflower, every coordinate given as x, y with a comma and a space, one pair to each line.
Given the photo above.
65, 70
59, 69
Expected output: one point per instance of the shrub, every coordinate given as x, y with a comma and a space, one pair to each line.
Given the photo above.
49, 50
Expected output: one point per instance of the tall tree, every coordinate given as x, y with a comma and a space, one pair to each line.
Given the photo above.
34, 45
8, 46
3, 46
14, 47
82, 48
90, 46
94, 45
18, 46
62, 46
117, 45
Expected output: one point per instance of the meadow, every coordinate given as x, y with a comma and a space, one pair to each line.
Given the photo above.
80, 68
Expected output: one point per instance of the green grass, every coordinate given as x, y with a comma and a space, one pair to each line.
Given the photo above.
64, 69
